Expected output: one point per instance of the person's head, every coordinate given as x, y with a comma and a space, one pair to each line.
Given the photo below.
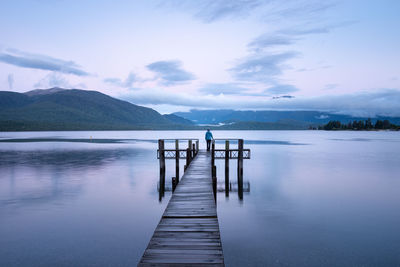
208, 130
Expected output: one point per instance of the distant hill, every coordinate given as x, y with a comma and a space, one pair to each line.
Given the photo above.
179, 120
288, 117
73, 109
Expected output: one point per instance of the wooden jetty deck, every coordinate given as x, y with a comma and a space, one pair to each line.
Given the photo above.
188, 232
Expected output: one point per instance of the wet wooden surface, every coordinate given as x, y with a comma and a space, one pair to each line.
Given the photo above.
188, 232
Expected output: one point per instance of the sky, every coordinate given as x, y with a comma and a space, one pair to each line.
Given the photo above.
339, 56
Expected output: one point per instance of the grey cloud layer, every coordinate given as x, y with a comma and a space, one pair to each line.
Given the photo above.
212, 10
261, 67
42, 62
383, 102
171, 71
127, 83
222, 88
281, 89
10, 80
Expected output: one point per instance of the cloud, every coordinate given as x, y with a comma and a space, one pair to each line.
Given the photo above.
281, 89
222, 88
10, 79
170, 72
331, 86
55, 79
290, 36
127, 83
297, 10
315, 30
42, 62
384, 102
267, 40
262, 68
212, 10
283, 96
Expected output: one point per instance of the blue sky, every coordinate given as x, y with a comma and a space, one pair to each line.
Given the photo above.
175, 55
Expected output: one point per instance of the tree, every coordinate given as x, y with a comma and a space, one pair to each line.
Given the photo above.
379, 124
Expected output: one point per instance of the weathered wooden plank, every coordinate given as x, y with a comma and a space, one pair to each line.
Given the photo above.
188, 233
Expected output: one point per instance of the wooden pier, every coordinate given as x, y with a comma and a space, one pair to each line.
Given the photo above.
188, 232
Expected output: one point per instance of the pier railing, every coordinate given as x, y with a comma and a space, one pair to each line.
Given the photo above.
227, 153
189, 153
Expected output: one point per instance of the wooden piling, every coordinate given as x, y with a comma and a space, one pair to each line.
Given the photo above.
227, 168
190, 150
177, 160
214, 181
212, 154
162, 166
187, 158
197, 147
174, 183
240, 168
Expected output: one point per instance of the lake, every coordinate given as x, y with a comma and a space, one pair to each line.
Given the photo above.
316, 198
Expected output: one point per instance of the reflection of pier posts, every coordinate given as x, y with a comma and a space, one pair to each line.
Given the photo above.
240, 168
227, 168
162, 167
177, 160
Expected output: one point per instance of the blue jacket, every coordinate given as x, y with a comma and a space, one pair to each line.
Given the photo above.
209, 136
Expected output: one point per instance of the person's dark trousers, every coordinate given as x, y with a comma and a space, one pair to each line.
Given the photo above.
208, 145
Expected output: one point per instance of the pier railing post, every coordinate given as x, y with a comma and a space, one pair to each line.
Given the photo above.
213, 170
174, 183
162, 166
240, 168
226, 167
214, 181
177, 160
187, 159
197, 146
190, 150
212, 153
194, 150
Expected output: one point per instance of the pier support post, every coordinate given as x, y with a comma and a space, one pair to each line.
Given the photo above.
214, 181
194, 150
227, 168
190, 150
177, 160
212, 154
240, 168
174, 183
187, 159
162, 166
197, 146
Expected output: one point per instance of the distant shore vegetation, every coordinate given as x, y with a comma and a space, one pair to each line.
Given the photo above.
361, 125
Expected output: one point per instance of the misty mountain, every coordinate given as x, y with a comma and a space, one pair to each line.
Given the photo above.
179, 120
286, 117
73, 109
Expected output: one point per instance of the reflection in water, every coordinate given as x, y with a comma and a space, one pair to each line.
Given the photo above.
64, 158
47, 169
233, 187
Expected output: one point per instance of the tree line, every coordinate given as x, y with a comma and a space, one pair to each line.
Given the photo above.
360, 125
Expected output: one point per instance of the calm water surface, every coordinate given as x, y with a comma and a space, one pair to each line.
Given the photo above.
90, 198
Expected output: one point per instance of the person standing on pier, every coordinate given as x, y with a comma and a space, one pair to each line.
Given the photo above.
209, 137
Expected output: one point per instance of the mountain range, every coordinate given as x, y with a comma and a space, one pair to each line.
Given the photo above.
74, 109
